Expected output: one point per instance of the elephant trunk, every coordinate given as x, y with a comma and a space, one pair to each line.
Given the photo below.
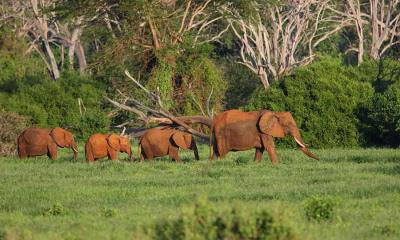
194, 148
303, 147
74, 148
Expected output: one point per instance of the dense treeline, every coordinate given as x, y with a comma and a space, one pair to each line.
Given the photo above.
333, 64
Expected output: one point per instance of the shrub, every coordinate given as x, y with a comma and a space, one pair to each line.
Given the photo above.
109, 212
204, 221
55, 210
55, 103
11, 125
380, 116
319, 209
323, 98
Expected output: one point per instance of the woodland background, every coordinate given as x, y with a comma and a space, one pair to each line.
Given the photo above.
333, 64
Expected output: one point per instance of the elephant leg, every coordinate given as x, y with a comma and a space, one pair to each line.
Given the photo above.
173, 154
146, 153
52, 151
258, 155
221, 147
214, 153
89, 153
22, 151
269, 144
112, 154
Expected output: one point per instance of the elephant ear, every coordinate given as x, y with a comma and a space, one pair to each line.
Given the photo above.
269, 124
114, 142
181, 140
58, 135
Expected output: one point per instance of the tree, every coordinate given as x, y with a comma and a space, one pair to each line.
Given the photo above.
280, 37
377, 23
40, 22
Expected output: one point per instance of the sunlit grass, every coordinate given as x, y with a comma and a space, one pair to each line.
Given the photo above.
113, 199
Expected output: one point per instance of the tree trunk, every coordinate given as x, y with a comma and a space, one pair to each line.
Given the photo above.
53, 63
80, 52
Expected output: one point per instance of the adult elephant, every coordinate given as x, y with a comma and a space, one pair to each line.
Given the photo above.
158, 142
106, 145
42, 141
234, 130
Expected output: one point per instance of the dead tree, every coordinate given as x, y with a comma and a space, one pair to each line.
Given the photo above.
37, 21
384, 18
157, 113
381, 16
281, 38
198, 18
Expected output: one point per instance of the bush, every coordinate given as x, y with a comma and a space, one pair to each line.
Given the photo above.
380, 116
323, 98
11, 126
319, 209
55, 210
55, 103
204, 221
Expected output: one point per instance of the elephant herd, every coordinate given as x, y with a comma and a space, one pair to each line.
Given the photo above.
232, 130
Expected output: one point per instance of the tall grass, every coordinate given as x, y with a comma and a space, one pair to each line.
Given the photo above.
63, 199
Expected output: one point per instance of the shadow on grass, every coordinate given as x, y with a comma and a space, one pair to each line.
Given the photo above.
392, 170
373, 158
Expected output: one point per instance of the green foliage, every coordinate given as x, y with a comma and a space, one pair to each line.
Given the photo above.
109, 212
11, 125
205, 221
161, 81
380, 115
323, 98
320, 209
55, 210
241, 84
55, 103
185, 80
14, 64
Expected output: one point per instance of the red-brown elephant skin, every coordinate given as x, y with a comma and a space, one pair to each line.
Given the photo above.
44, 141
158, 142
106, 145
235, 130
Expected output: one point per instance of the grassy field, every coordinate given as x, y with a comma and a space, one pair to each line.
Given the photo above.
111, 200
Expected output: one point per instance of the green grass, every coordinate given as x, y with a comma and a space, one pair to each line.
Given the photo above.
62, 199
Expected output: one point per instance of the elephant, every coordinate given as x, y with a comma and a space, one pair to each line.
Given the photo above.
234, 130
41, 141
106, 145
158, 142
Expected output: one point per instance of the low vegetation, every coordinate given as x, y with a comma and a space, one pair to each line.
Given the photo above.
349, 194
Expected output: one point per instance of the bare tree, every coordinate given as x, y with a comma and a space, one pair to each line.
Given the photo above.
384, 18
280, 37
198, 18
351, 13
38, 22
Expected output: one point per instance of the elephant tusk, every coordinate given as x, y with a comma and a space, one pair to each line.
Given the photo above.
298, 142
74, 149
123, 131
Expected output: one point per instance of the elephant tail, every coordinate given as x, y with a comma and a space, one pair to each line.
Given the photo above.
139, 151
211, 143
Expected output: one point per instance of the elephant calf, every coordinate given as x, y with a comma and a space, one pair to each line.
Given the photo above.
106, 145
158, 142
42, 141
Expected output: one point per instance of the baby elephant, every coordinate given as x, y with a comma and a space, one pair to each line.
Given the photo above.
158, 142
103, 145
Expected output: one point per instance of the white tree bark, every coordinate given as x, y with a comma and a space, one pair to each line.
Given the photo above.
281, 37
384, 18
